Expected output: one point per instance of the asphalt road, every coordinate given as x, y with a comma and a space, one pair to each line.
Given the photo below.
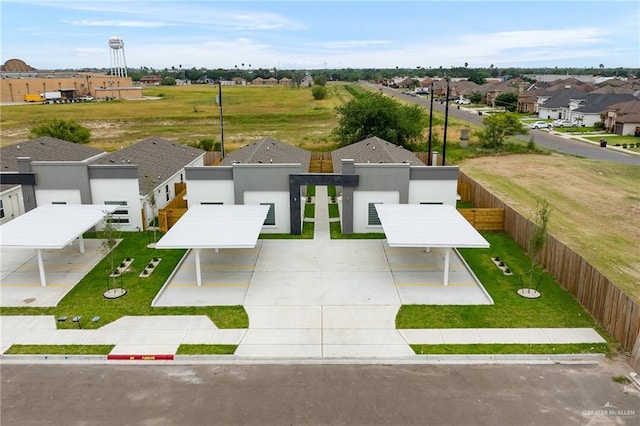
542, 138
158, 395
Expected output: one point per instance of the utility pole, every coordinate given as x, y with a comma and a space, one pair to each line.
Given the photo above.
429, 153
221, 124
446, 120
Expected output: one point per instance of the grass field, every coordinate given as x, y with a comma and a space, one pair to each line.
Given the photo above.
595, 205
187, 114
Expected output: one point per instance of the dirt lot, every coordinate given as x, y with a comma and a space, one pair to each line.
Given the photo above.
596, 205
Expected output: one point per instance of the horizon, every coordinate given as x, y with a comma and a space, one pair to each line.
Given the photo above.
334, 34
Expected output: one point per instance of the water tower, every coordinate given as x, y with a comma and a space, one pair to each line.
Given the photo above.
118, 62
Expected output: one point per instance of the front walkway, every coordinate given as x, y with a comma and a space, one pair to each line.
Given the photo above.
306, 299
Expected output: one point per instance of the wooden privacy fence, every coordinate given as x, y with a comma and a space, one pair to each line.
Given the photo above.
484, 219
613, 309
174, 210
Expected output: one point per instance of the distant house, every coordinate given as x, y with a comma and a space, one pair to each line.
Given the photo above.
623, 118
151, 80
285, 81
307, 81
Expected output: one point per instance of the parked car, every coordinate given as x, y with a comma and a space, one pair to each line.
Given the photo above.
463, 101
539, 125
562, 123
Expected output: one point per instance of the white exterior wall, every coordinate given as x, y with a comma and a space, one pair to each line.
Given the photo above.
210, 191
49, 196
12, 204
587, 120
433, 191
120, 190
281, 200
361, 200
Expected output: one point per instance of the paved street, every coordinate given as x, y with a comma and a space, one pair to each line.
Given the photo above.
210, 394
542, 138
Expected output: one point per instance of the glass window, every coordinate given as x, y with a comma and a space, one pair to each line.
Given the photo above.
373, 215
271, 214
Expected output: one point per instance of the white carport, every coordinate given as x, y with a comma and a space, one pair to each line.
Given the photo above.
215, 227
51, 226
429, 226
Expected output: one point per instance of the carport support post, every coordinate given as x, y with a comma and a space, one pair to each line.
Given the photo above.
43, 280
446, 266
198, 274
81, 241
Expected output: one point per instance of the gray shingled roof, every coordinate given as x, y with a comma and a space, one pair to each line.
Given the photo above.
560, 97
598, 103
269, 150
45, 149
156, 158
373, 150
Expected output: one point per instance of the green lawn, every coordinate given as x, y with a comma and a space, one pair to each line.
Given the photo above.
489, 349
59, 350
556, 307
206, 349
86, 298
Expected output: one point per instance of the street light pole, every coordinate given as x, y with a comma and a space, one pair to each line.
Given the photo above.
221, 123
429, 153
446, 120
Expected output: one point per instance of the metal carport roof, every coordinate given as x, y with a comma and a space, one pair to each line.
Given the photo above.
429, 226
52, 226
215, 226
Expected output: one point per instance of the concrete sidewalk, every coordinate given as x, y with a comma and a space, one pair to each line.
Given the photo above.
318, 299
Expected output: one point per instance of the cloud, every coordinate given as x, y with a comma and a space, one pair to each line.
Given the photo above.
116, 23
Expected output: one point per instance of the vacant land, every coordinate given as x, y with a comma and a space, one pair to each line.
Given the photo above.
188, 114
595, 205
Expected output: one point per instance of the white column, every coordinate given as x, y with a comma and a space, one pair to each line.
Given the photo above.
81, 241
43, 280
446, 266
198, 274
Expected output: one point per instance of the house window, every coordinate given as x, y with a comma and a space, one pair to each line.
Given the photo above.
373, 215
271, 214
211, 203
121, 214
432, 203
1, 210
166, 190
60, 203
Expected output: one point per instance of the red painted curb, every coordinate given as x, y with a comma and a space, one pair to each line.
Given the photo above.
117, 357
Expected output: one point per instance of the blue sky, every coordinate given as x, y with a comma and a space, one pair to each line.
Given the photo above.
52, 34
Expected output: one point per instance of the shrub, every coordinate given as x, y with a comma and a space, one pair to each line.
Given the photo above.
319, 92
67, 130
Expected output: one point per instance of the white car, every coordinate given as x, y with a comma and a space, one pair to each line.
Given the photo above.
539, 125
463, 101
562, 123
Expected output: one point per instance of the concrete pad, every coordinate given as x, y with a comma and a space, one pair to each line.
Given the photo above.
367, 351
284, 316
452, 336
161, 322
35, 337
152, 337
497, 335
422, 336
281, 336
105, 337
359, 317
573, 335
321, 288
144, 349
70, 337
197, 337
27, 322
228, 336
209, 294
279, 351
531, 335
362, 337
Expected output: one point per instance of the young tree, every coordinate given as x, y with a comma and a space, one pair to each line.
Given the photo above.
67, 130
537, 240
152, 200
110, 235
373, 114
497, 127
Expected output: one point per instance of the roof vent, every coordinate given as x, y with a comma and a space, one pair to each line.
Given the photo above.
373, 148
18, 147
112, 161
